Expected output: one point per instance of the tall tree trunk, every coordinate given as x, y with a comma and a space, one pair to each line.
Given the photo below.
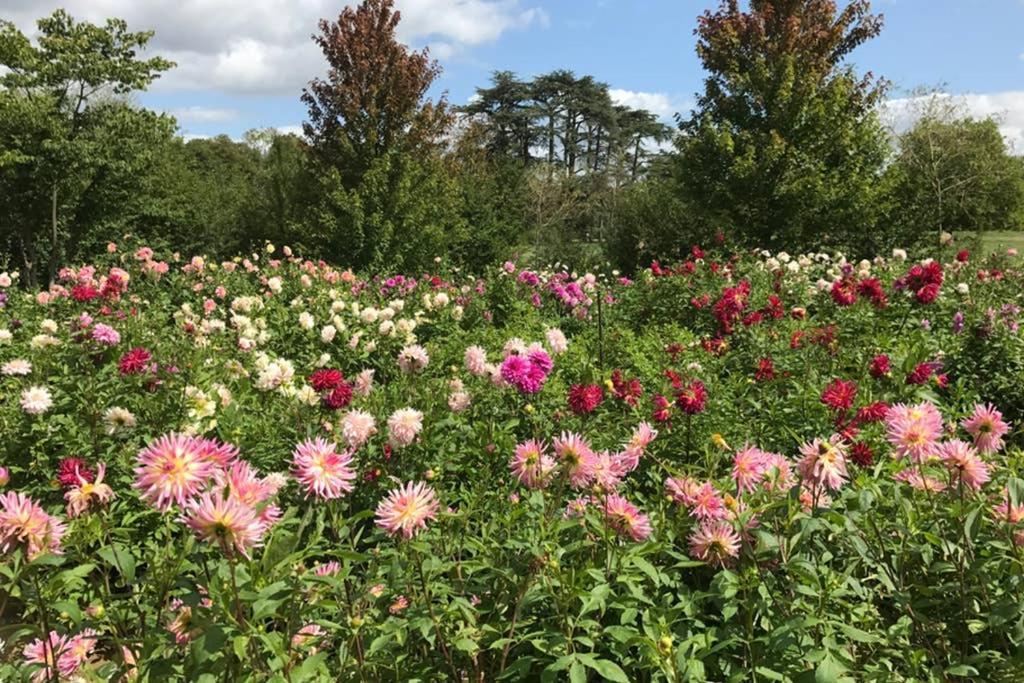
636, 158
55, 244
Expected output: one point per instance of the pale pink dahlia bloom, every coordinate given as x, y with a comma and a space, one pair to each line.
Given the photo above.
36, 400
475, 360
23, 523
405, 510
715, 542
914, 430
823, 463
531, 464
171, 470
625, 518
749, 466
413, 358
357, 427
707, 503
86, 494
576, 457
988, 428
681, 490
404, 426
321, 470
59, 654
224, 520
963, 463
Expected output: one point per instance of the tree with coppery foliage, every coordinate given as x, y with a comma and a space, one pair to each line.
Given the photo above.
373, 101
383, 200
785, 146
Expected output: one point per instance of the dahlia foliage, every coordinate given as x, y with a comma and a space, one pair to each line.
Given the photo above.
739, 466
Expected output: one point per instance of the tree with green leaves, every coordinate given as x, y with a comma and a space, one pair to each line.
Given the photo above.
951, 173
785, 147
65, 87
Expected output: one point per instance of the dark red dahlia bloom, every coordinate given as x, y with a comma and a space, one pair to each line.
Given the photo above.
628, 390
963, 256
135, 361
692, 398
765, 370
585, 398
662, 408
874, 412
844, 292
729, 308
880, 366
326, 379
928, 294
839, 395
339, 397
924, 281
871, 289
920, 374
83, 293
861, 454
71, 472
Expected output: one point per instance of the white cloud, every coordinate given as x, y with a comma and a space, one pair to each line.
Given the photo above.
658, 103
202, 114
265, 46
1006, 107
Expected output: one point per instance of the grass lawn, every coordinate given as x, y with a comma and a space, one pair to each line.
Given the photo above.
1000, 240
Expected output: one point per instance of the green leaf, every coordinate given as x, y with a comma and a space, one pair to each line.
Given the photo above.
119, 558
962, 670
609, 670
860, 636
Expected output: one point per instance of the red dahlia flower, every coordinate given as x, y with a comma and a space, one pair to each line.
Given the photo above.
585, 398
135, 361
692, 398
326, 379
839, 395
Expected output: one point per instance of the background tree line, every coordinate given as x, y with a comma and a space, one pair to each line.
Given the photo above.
785, 148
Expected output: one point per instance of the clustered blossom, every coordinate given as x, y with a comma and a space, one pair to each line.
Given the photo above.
923, 281
60, 655
527, 372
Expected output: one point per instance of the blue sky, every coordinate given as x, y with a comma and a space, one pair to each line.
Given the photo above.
242, 63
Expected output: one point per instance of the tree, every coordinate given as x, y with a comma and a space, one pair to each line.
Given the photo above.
55, 84
953, 173
376, 140
784, 145
509, 114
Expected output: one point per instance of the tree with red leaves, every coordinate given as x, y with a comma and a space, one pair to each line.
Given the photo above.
376, 138
784, 142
